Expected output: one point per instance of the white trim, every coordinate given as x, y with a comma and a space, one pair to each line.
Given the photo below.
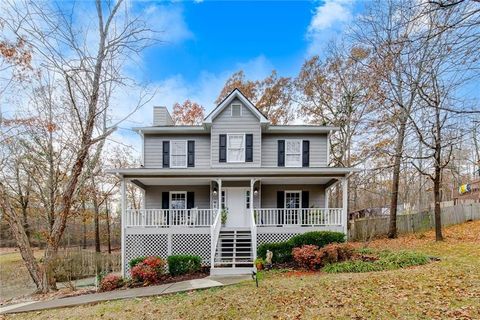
244, 146
328, 148
228, 100
142, 160
170, 199
301, 153
299, 198
186, 154
235, 104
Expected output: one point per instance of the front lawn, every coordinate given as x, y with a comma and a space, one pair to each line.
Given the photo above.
446, 289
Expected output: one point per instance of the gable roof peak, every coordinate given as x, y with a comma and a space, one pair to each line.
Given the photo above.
235, 93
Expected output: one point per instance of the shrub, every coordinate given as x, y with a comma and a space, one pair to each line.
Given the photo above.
132, 263
149, 270
318, 238
312, 257
307, 256
111, 282
183, 264
282, 251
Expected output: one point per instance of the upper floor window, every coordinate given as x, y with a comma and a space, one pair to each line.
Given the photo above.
178, 154
236, 109
293, 153
236, 148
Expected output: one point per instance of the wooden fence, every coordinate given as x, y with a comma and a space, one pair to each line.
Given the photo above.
366, 228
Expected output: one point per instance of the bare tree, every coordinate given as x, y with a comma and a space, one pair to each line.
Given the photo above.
78, 77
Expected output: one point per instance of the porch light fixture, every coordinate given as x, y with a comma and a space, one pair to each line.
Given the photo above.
255, 191
215, 191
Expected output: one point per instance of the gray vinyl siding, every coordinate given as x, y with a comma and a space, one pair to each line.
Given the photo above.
153, 195
224, 123
153, 149
318, 148
316, 194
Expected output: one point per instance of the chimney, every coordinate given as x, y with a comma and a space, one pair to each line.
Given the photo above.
161, 116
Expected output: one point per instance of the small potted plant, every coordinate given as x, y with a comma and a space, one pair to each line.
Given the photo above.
223, 216
259, 263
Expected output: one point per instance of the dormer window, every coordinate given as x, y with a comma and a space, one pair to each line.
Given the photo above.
236, 109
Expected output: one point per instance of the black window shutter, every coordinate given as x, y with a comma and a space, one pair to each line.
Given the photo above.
166, 154
305, 199
306, 153
280, 199
249, 148
281, 205
165, 200
222, 148
190, 200
281, 153
191, 153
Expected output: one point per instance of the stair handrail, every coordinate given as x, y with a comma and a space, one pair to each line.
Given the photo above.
214, 234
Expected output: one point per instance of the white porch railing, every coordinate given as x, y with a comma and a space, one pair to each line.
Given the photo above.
169, 217
298, 217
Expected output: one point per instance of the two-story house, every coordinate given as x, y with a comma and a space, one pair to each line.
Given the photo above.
222, 188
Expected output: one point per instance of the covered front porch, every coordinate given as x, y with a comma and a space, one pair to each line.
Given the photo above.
196, 215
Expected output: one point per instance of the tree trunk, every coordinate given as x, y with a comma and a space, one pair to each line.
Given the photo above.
109, 243
84, 225
16, 226
392, 230
96, 212
437, 210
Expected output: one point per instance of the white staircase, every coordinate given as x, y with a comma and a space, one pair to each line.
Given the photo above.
234, 252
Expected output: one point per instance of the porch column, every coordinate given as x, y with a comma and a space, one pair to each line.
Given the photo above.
345, 204
219, 182
327, 198
253, 231
122, 221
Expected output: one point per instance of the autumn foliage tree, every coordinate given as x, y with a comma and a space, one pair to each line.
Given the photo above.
273, 96
188, 113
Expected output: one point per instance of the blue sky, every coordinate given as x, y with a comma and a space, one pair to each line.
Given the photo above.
206, 41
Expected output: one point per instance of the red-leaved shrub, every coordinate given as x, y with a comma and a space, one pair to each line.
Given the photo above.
307, 257
111, 282
149, 270
311, 257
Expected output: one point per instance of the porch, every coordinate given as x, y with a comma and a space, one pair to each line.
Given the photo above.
184, 216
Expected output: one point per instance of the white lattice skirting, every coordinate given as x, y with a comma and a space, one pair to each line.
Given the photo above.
273, 237
165, 244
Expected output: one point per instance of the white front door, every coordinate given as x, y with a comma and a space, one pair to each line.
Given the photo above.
238, 213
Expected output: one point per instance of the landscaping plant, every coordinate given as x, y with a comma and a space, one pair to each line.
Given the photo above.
312, 257
149, 270
111, 282
282, 251
183, 264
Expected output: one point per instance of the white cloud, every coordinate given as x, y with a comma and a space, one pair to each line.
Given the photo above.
327, 22
169, 21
